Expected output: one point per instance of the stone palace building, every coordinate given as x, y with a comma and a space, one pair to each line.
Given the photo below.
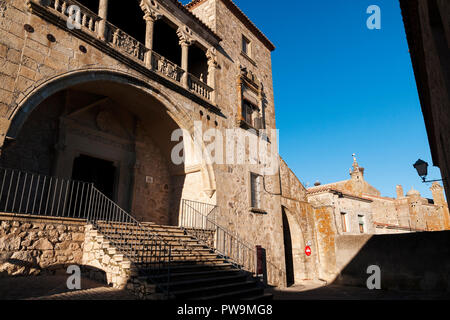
99, 102
91, 93
359, 208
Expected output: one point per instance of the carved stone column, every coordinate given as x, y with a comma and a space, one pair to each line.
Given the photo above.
184, 62
185, 35
103, 14
150, 17
239, 87
212, 66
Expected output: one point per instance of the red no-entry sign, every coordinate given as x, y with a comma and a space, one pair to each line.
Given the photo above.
308, 251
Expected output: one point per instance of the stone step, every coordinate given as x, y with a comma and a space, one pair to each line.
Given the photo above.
207, 291
196, 272
241, 293
185, 268
145, 236
179, 276
141, 231
175, 260
141, 227
176, 257
178, 244
148, 248
204, 282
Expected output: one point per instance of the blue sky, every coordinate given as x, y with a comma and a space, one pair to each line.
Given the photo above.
341, 88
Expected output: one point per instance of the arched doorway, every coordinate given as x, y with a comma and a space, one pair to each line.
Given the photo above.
110, 133
290, 280
294, 244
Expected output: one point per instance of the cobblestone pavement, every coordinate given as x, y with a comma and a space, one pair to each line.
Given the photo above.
315, 290
55, 288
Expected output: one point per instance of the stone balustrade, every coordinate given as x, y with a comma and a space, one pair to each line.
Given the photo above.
165, 67
199, 87
125, 43
91, 24
84, 18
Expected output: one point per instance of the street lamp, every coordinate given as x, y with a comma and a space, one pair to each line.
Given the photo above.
422, 169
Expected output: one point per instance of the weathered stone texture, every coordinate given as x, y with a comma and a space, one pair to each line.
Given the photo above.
32, 246
33, 67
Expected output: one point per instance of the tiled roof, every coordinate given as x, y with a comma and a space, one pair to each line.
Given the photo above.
333, 187
242, 16
325, 187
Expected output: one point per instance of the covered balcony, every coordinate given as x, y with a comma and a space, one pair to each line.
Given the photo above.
145, 35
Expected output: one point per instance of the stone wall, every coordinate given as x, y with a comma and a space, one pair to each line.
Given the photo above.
33, 246
34, 150
412, 261
151, 198
300, 218
32, 66
426, 25
98, 253
325, 240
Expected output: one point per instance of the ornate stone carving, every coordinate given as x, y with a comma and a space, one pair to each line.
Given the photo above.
104, 120
3, 8
248, 75
151, 10
185, 34
166, 67
126, 43
211, 55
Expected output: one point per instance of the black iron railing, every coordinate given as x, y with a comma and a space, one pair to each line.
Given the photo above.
40, 195
199, 218
200, 221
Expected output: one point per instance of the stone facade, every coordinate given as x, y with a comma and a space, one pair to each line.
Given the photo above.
356, 202
428, 34
95, 91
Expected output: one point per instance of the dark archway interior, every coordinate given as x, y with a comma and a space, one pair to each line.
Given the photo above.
198, 63
129, 17
126, 15
134, 117
166, 42
91, 5
288, 250
101, 173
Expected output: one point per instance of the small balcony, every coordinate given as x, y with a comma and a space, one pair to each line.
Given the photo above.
91, 27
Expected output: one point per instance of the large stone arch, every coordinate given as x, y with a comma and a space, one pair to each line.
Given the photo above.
296, 247
30, 100
35, 95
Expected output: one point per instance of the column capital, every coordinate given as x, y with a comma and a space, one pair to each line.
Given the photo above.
211, 55
151, 12
185, 36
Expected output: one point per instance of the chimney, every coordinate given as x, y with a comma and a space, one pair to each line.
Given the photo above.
317, 183
438, 194
400, 193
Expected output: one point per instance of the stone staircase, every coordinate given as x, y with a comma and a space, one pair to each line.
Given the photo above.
196, 271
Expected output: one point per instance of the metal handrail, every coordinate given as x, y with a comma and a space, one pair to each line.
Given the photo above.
23, 192
226, 244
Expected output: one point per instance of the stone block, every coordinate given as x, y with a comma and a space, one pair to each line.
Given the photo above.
43, 244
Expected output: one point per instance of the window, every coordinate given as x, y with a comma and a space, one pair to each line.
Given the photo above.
246, 46
361, 223
251, 115
344, 222
255, 181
